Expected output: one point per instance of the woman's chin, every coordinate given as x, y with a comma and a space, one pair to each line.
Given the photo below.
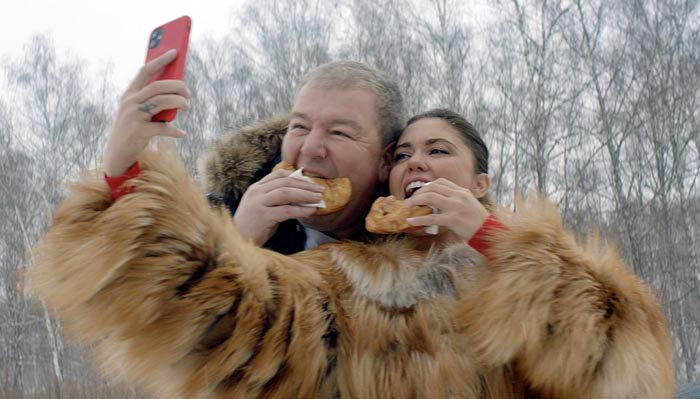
420, 231
422, 238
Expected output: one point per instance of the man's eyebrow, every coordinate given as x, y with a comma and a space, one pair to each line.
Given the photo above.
347, 122
299, 115
339, 121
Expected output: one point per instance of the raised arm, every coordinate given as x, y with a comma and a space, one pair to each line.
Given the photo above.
572, 320
174, 298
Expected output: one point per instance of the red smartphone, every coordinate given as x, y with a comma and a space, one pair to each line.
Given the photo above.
172, 35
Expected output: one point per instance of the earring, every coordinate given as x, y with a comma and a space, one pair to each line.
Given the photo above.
383, 190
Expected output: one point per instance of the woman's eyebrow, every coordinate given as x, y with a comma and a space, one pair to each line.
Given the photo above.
407, 144
438, 140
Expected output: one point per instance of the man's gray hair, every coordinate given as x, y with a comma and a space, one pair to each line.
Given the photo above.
352, 74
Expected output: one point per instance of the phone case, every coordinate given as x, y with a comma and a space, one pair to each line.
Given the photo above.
172, 35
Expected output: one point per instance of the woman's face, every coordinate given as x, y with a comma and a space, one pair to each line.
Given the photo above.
427, 150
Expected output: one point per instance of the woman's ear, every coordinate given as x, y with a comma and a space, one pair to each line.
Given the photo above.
482, 185
385, 163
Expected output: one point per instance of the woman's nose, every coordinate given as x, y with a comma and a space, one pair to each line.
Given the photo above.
314, 145
417, 162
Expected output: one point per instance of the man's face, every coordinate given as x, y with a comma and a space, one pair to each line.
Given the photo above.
335, 133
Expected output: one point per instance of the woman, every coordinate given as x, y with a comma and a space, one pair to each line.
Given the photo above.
444, 149
178, 301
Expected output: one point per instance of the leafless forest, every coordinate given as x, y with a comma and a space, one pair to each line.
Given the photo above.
595, 103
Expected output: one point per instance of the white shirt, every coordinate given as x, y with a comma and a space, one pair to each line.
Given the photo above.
314, 238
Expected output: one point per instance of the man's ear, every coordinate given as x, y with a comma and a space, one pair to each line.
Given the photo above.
482, 185
385, 163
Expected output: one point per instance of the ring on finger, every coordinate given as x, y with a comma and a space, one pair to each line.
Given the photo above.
147, 107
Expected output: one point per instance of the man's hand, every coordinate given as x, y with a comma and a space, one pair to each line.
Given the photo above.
268, 202
133, 129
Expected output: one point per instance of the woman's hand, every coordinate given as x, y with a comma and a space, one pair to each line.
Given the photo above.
133, 128
458, 209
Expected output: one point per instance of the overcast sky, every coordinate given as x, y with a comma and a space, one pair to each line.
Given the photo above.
107, 31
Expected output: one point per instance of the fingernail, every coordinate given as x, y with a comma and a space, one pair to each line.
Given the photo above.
410, 221
318, 196
320, 188
171, 51
189, 93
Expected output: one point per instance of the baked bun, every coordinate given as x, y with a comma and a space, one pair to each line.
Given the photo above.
335, 196
388, 216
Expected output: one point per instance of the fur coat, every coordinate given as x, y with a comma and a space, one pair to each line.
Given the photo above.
172, 298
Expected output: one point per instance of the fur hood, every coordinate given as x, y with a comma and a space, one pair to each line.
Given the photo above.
230, 166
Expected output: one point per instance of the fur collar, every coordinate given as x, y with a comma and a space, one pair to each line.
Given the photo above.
394, 274
229, 167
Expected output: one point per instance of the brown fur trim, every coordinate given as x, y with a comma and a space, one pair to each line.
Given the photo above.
227, 169
156, 281
173, 298
573, 321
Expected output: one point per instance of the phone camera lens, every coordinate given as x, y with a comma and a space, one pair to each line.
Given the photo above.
156, 37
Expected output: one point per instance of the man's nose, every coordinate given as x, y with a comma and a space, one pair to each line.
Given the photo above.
314, 146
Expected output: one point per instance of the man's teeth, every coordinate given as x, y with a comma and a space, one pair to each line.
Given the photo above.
413, 187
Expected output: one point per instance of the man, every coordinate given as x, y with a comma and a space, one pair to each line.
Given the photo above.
343, 116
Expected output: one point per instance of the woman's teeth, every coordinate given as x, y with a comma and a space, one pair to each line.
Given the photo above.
413, 187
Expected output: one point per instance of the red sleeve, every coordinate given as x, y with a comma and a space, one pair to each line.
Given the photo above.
478, 240
116, 184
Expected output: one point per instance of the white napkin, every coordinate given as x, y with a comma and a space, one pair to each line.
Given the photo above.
297, 174
433, 228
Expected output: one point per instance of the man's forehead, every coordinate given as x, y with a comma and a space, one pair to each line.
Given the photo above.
334, 91
352, 106
338, 84
339, 120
